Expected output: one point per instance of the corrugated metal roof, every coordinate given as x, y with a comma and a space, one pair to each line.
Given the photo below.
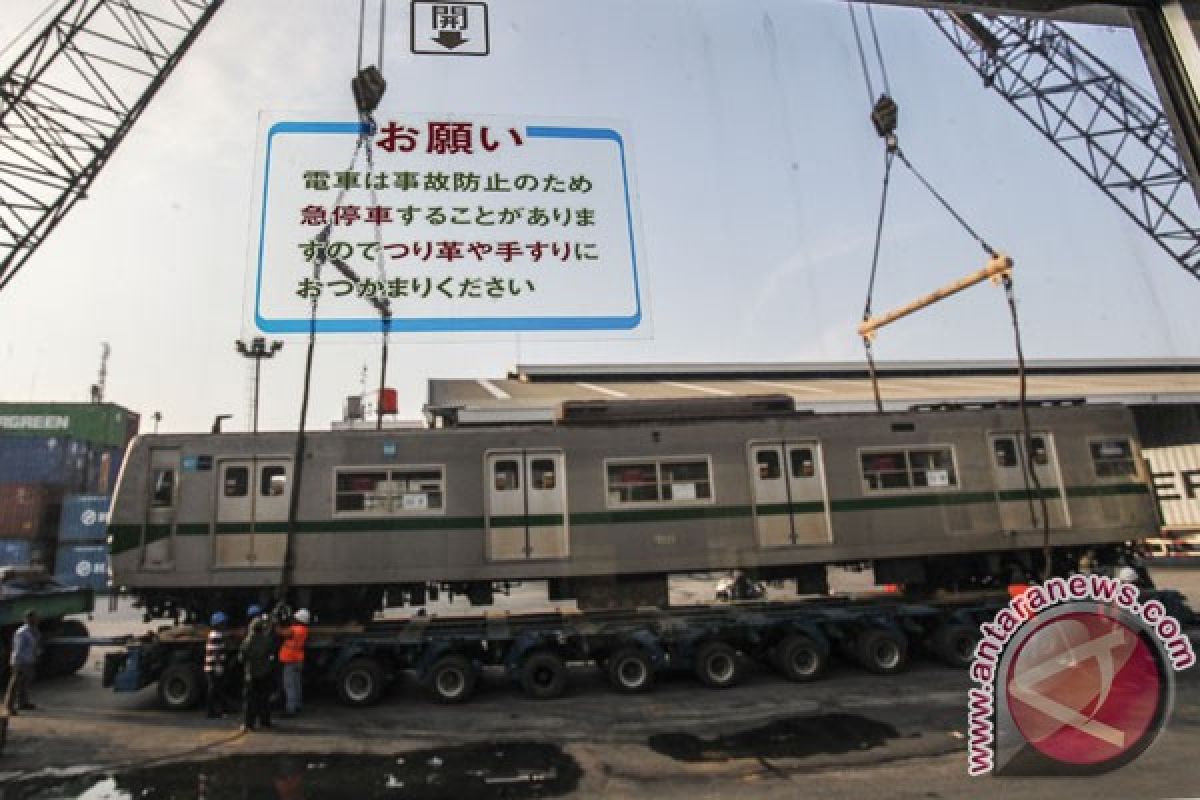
534, 392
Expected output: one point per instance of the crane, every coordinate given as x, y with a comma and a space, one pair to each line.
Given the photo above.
1112, 131
69, 99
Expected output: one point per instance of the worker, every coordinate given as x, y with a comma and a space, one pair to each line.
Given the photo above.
291, 656
216, 656
258, 663
26, 645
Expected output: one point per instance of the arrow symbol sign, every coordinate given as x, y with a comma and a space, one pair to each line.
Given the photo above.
450, 39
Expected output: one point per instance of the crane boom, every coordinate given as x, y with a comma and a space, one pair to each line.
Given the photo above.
1112, 131
70, 98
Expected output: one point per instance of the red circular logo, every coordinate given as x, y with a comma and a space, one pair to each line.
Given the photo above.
1084, 688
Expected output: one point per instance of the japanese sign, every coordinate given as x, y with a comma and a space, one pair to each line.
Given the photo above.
455, 224
441, 28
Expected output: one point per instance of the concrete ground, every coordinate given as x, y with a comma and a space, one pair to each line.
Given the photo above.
850, 735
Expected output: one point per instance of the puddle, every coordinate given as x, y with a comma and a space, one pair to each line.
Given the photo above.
511, 770
797, 737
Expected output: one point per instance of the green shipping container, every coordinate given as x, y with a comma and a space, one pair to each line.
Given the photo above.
97, 423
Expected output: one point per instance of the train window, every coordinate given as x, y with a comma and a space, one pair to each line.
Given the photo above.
1006, 452
237, 481
508, 476
803, 465
162, 493
768, 465
274, 482
542, 473
633, 483
1041, 456
915, 468
396, 491
1113, 458
686, 480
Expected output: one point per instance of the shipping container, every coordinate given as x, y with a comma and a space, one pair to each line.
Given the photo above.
14, 552
50, 460
82, 565
84, 518
1176, 472
29, 511
104, 424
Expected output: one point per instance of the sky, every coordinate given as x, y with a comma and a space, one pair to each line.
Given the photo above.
757, 179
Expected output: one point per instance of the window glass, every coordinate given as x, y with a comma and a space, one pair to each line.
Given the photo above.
885, 470
659, 482
915, 468
542, 473
686, 480
390, 492
508, 476
1005, 451
417, 490
768, 465
633, 483
162, 494
1041, 455
1113, 458
932, 468
274, 482
237, 481
358, 491
803, 464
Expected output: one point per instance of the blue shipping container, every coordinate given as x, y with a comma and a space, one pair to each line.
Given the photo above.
84, 518
14, 552
49, 460
82, 565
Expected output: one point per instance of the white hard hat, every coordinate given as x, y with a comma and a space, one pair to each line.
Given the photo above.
303, 616
1127, 574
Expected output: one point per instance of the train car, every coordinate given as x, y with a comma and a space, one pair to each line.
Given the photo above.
614, 497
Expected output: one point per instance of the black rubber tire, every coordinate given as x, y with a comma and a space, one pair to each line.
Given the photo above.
360, 682
61, 660
543, 675
630, 670
717, 665
954, 643
451, 679
180, 687
882, 650
798, 658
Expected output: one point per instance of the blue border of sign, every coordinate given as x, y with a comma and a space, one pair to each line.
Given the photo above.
447, 324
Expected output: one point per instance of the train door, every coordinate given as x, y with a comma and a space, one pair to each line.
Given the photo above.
788, 482
162, 509
526, 505
1016, 511
252, 505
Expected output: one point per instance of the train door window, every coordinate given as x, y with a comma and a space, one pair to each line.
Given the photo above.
686, 480
508, 476
236, 482
1005, 452
768, 465
1037, 446
633, 483
162, 492
274, 482
1113, 458
803, 465
542, 473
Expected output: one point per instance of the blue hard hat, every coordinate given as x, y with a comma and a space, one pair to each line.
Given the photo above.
253, 611
218, 618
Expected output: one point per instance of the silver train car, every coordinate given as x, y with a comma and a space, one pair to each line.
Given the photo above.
616, 496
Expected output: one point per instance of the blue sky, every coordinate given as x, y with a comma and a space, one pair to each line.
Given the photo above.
757, 173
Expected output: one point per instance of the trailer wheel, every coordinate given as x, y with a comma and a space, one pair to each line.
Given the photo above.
630, 670
717, 665
66, 659
882, 651
360, 682
798, 658
180, 687
451, 679
954, 643
544, 675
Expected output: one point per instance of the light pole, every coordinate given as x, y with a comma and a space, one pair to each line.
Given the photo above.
258, 349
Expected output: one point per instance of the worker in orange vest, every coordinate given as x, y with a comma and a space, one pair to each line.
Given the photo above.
291, 655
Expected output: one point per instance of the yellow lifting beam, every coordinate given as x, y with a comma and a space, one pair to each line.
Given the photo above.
999, 265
